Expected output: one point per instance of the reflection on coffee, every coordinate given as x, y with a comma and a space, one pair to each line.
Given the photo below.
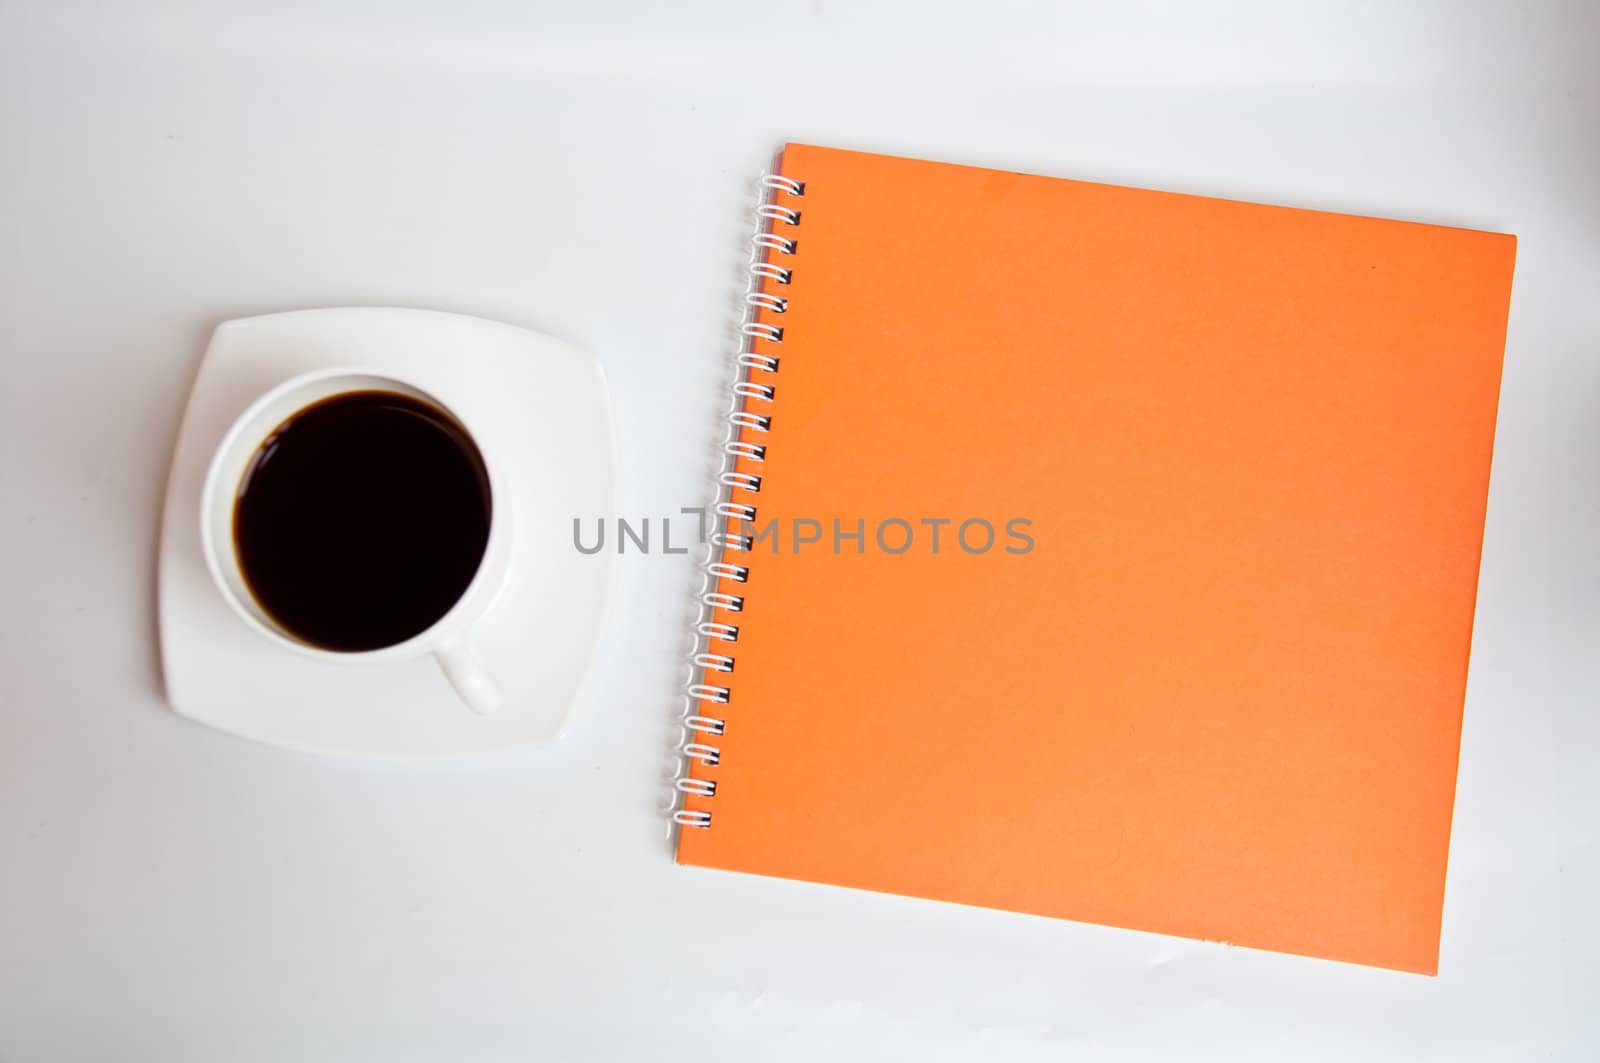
361, 520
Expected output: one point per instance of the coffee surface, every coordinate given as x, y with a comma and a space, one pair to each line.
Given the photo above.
362, 519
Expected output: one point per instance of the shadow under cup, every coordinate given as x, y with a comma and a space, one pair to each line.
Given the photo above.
361, 519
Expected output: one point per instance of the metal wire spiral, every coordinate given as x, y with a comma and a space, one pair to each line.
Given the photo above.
772, 249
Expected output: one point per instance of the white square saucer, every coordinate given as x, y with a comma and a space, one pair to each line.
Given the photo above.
538, 405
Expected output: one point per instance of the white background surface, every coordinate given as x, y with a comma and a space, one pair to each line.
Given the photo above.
171, 893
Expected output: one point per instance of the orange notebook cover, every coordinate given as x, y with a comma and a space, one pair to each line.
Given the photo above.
1113, 555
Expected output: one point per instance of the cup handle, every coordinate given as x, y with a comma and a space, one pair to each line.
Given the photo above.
466, 673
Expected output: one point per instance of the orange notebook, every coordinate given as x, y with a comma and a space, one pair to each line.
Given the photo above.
1099, 553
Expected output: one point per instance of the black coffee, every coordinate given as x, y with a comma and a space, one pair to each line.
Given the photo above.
362, 519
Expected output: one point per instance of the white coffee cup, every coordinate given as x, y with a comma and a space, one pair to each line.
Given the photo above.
448, 640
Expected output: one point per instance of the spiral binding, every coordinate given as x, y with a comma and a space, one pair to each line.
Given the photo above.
752, 390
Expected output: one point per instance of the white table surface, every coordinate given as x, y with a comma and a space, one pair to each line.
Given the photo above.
167, 892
